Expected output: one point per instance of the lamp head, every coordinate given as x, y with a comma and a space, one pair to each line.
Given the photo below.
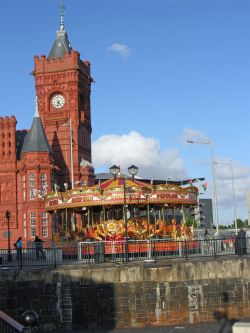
133, 170
30, 318
7, 214
114, 170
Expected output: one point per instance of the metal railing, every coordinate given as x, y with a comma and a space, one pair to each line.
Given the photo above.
93, 252
9, 325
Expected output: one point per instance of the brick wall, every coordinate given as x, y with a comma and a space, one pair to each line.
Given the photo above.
130, 295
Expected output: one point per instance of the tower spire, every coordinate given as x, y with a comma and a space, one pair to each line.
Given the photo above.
62, 8
61, 45
36, 108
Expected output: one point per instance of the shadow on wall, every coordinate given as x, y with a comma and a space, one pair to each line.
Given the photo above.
66, 305
221, 316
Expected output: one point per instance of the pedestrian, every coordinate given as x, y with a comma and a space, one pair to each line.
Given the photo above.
206, 234
18, 246
39, 247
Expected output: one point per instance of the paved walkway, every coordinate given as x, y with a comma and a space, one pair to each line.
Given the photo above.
221, 327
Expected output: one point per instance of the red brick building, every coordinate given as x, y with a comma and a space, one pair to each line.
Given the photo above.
55, 152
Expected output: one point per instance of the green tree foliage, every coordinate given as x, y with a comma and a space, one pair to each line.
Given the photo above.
191, 221
240, 224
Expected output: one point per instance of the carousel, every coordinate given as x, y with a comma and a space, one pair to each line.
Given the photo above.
121, 209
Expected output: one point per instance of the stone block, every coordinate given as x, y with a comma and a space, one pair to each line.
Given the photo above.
241, 327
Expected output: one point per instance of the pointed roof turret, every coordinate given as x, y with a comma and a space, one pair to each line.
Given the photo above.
61, 45
36, 140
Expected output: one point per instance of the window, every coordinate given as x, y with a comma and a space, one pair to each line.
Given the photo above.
32, 185
32, 224
44, 219
32, 193
44, 184
32, 180
24, 226
44, 224
24, 190
45, 231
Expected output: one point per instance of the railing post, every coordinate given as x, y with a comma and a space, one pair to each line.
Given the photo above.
180, 248
79, 252
54, 255
21, 257
155, 250
215, 246
186, 249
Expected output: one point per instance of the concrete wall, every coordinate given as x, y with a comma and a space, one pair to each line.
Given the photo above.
130, 295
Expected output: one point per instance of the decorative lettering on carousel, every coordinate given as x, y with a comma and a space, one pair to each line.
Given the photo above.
79, 199
53, 202
168, 195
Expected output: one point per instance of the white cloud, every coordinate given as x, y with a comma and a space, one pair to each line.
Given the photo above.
223, 175
145, 152
122, 49
225, 180
195, 135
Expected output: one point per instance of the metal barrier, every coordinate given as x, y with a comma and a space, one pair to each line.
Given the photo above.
9, 325
93, 252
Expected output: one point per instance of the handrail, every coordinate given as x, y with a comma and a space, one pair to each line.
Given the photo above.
11, 323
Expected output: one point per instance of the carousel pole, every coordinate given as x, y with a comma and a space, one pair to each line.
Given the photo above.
88, 217
162, 212
115, 170
125, 219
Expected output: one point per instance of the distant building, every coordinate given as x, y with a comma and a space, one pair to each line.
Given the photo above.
202, 213
57, 148
206, 213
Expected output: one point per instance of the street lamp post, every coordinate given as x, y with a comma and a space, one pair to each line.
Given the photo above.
71, 153
182, 206
209, 142
9, 256
133, 170
233, 191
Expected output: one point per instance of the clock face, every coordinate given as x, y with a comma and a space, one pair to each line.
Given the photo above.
58, 101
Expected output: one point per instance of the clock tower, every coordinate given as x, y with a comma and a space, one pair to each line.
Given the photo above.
63, 87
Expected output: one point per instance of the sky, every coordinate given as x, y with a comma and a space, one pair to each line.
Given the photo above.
165, 71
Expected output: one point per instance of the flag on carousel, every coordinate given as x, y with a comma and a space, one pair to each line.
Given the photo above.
205, 185
99, 185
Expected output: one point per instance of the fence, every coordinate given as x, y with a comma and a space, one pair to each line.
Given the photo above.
134, 250
9, 325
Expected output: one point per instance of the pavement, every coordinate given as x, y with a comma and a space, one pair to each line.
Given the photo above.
224, 326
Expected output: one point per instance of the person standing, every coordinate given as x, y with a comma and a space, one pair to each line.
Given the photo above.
39, 247
18, 246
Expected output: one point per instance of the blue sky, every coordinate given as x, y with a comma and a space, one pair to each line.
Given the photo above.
165, 70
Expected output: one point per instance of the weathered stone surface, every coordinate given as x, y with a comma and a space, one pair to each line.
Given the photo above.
129, 295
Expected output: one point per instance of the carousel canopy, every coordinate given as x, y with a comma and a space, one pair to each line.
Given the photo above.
119, 182
113, 192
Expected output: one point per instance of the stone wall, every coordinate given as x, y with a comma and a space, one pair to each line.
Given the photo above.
133, 295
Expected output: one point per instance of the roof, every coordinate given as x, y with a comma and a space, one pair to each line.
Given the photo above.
20, 136
36, 140
61, 45
119, 182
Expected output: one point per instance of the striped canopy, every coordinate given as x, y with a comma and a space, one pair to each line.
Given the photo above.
119, 182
